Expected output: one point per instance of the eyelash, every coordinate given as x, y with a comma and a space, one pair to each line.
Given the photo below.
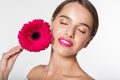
63, 23
78, 29
81, 31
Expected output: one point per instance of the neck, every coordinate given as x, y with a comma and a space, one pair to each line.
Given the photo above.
62, 64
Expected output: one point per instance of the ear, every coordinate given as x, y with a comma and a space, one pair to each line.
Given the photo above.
51, 22
88, 41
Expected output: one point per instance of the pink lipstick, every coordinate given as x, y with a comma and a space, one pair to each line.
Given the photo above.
65, 42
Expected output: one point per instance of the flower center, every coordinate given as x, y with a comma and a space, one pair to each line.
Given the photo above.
35, 35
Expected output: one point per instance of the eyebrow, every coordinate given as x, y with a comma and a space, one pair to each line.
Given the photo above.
84, 24
64, 16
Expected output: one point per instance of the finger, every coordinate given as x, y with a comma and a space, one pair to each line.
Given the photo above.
12, 60
8, 55
1, 76
14, 50
11, 52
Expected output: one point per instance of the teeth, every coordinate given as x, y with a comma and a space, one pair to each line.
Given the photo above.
65, 42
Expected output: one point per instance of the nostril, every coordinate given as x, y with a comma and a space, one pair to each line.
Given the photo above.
70, 33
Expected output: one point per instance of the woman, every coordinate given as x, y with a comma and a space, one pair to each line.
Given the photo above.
73, 25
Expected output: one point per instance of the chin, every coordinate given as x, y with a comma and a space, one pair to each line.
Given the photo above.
63, 51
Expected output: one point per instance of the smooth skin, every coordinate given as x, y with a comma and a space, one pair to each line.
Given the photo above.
74, 23
71, 24
7, 61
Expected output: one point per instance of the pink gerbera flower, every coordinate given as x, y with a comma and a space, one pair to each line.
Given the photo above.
35, 35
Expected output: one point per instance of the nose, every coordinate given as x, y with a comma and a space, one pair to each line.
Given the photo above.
70, 32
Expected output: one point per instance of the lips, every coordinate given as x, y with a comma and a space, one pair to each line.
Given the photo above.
65, 42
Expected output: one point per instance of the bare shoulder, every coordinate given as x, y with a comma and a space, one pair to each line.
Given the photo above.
78, 76
85, 77
35, 71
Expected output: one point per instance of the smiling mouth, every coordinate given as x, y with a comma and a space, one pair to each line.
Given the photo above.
65, 42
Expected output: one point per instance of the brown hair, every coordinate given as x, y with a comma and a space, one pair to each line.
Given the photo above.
88, 5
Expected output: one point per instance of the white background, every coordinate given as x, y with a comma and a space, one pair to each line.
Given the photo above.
101, 59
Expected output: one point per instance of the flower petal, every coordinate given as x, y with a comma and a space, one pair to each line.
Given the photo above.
32, 45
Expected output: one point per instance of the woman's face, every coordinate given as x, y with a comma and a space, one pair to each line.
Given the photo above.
71, 29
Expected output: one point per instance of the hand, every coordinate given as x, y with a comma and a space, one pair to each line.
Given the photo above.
7, 61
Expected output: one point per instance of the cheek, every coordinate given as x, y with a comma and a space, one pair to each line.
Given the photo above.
81, 41
56, 31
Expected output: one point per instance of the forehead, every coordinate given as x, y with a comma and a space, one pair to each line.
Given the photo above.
76, 12
75, 7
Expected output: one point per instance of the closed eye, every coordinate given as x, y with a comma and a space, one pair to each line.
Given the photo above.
82, 31
63, 23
